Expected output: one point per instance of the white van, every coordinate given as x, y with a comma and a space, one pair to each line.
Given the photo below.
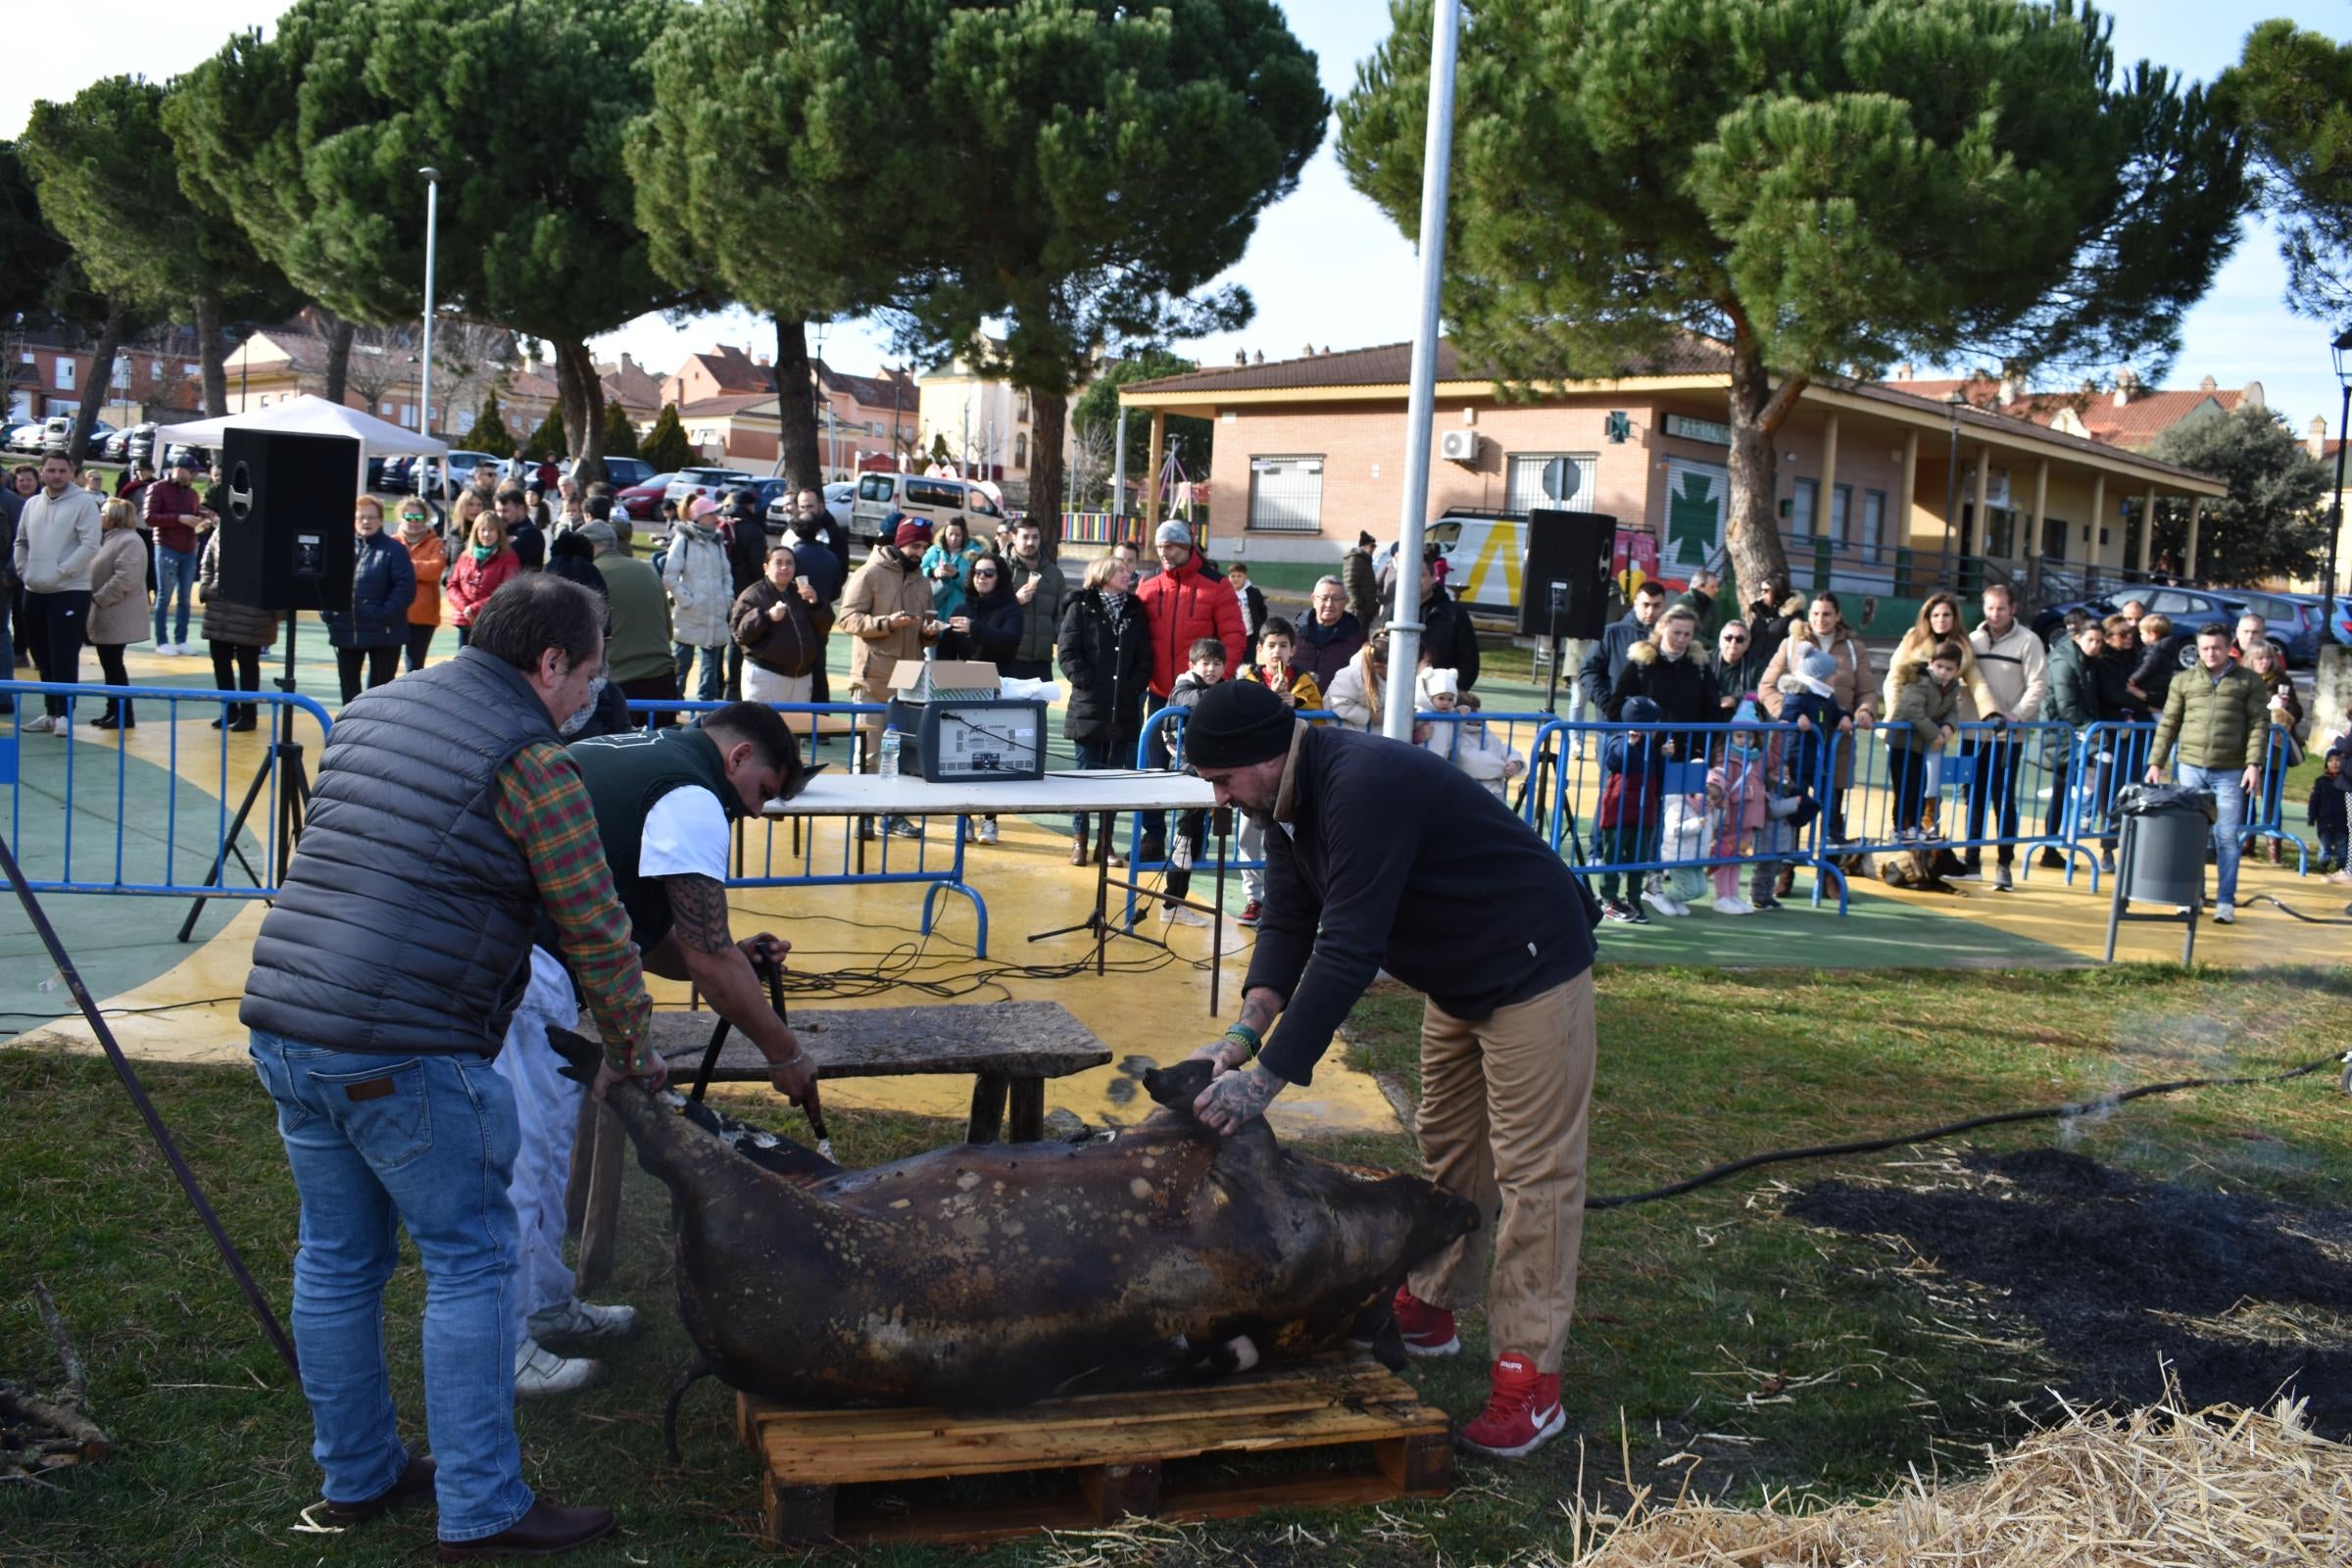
934, 501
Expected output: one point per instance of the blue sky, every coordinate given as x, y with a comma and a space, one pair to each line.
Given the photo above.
1325, 267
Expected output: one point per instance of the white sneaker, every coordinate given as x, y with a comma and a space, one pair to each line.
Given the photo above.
1180, 853
40, 726
1660, 902
2225, 914
539, 1373
1733, 905
576, 1319
1178, 914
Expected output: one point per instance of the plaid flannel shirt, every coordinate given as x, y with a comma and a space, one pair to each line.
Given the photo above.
544, 808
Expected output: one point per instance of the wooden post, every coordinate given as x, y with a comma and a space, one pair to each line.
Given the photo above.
1825, 500
1983, 494
2197, 511
1159, 456
1910, 488
2036, 539
2098, 522
2147, 530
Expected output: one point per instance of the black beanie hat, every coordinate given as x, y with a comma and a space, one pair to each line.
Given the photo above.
1235, 723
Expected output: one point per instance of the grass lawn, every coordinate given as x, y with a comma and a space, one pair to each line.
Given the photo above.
1721, 1345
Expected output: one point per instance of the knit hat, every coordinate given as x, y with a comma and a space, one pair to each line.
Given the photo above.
907, 531
1237, 723
1173, 532
1748, 713
1436, 683
702, 507
1639, 710
1816, 667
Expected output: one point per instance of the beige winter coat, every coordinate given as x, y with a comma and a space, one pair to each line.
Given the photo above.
876, 591
119, 590
1855, 685
1976, 698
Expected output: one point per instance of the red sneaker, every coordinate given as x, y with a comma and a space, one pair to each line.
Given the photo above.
1428, 1330
1522, 1414
1251, 912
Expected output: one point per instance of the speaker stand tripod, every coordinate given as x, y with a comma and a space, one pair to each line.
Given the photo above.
283, 761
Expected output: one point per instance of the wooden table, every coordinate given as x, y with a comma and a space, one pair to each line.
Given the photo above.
1010, 1048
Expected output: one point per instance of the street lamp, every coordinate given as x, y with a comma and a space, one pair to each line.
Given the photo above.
2335, 507
1953, 403
425, 377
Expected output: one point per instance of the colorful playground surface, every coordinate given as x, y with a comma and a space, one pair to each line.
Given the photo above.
149, 805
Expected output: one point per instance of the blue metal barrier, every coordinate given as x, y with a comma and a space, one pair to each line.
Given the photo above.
923, 862
63, 793
2115, 754
1990, 786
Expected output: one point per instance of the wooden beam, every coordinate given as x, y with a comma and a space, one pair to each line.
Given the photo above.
1910, 488
1823, 499
2196, 512
2098, 521
1981, 499
1159, 455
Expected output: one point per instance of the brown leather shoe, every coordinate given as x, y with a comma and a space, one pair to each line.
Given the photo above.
1078, 848
414, 1482
547, 1529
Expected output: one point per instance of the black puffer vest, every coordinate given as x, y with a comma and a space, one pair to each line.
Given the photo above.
407, 914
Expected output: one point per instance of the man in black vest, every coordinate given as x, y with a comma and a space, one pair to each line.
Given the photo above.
1386, 856
665, 805
445, 820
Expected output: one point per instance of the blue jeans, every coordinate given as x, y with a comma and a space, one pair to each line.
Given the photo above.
715, 671
1093, 757
174, 573
2229, 786
426, 1142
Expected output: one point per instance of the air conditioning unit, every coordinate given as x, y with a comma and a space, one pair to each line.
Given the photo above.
1458, 446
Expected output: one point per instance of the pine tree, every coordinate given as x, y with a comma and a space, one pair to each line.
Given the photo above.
548, 441
665, 445
620, 435
490, 433
1821, 187
2291, 90
2272, 523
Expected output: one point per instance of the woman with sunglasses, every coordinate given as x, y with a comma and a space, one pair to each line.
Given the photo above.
1734, 667
428, 557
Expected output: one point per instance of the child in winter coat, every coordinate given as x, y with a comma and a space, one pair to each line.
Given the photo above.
1275, 645
1739, 794
1207, 669
2330, 807
1625, 830
1808, 701
1927, 702
1464, 742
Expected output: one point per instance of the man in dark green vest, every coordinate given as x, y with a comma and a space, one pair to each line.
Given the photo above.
665, 802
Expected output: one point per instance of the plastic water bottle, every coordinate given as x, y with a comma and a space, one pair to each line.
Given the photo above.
888, 764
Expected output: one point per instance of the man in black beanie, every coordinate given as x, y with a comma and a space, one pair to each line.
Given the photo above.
1390, 857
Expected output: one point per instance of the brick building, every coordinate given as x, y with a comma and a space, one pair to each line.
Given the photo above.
726, 400
47, 373
1310, 452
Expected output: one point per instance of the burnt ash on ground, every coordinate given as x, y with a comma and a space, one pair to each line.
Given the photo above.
2090, 1256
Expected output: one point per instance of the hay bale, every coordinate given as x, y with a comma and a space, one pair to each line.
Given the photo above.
2222, 1488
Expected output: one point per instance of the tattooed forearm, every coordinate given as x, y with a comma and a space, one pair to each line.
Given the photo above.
1259, 1009
698, 904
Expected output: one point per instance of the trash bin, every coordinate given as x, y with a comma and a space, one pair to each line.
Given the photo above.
2167, 828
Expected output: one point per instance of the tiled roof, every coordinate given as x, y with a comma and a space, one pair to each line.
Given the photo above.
631, 384
2136, 423
1391, 363
872, 391
729, 403
733, 369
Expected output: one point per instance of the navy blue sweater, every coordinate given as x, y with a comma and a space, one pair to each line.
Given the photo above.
1394, 859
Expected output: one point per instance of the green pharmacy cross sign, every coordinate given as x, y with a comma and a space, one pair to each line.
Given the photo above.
1693, 513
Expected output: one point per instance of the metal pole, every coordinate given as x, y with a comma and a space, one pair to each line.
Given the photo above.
1951, 499
2335, 507
1118, 475
1436, 159
425, 377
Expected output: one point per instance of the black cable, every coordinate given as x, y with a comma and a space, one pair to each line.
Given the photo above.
1872, 1146
2285, 907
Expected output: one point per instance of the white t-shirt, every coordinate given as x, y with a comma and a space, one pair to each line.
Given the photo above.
685, 835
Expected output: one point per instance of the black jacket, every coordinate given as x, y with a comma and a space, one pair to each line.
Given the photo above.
2110, 674
997, 623
1324, 651
1682, 688
1397, 859
1108, 670
2159, 664
1447, 639
746, 539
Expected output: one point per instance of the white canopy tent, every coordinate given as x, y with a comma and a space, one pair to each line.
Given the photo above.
306, 415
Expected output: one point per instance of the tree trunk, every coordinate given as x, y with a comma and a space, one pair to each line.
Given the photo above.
102, 371
803, 466
339, 338
1751, 532
1050, 419
583, 401
212, 352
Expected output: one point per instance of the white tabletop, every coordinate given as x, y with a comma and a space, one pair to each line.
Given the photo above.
832, 794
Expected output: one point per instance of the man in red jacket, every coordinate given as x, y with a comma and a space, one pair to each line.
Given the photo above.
1184, 601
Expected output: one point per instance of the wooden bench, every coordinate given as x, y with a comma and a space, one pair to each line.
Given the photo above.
1009, 1048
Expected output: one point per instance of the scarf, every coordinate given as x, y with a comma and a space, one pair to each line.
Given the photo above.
1114, 608
481, 552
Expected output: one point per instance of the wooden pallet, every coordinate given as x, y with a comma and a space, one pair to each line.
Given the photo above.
845, 1475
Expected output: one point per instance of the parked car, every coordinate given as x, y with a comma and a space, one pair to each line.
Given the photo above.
688, 483
117, 447
2294, 621
934, 501
398, 476
840, 497
200, 457
2049, 623
2339, 619
643, 502
95, 449
27, 436
624, 473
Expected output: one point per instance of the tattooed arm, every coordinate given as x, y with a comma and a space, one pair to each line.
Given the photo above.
699, 948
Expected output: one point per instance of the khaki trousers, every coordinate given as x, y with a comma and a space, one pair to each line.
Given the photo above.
1505, 1108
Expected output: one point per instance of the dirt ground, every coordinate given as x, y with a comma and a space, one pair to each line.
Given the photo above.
2241, 1297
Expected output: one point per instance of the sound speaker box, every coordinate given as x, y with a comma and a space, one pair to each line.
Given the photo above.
285, 519
1564, 592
